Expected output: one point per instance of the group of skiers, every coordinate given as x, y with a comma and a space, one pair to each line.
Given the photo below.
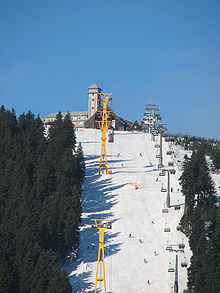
145, 261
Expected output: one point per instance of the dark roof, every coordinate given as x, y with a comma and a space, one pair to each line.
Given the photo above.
135, 126
94, 86
91, 122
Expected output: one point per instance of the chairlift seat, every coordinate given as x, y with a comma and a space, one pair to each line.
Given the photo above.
158, 156
177, 207
171, 270
162, 174
160, 166
157, 146
170, 163
163, 190
166, 229
184, 264
169, 248
165, 211
181, 245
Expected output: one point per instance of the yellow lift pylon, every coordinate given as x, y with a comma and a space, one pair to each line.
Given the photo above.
101, 227
104, 125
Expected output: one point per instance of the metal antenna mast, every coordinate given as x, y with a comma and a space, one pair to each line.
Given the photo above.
152, 115
101, 227
161, 129
104, 126
169, 171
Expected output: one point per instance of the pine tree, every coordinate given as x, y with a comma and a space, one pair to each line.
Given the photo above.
80, 163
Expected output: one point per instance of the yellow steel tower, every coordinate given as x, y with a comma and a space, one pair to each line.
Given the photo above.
101, 227
104, 126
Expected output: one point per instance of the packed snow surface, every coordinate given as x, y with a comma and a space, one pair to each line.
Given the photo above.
130, 261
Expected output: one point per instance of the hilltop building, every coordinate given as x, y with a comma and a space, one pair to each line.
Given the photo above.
89, 118
77, 118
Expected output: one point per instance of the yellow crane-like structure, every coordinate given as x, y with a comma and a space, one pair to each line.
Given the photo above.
104, 126
101, 225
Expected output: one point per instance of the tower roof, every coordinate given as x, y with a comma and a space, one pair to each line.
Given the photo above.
94, 86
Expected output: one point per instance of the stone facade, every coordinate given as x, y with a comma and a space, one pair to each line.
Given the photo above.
78, 118
94, 103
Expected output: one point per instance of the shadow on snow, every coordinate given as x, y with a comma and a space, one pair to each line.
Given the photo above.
97, 200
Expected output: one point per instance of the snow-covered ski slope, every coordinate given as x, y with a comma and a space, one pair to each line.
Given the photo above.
132, 159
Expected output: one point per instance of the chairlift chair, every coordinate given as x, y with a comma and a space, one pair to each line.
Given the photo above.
177, 207
184, 263
163, 189
171, 268
169, 248
158, 156
157, 146
181, 245
162, 173
166, 229
160, 166
170, 163
165, 211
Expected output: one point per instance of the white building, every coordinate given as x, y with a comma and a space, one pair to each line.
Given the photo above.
78, 118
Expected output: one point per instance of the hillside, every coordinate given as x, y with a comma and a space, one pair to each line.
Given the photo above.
136, 212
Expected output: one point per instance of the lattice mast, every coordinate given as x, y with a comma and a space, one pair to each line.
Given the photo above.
104, 125
101, 227
161, 129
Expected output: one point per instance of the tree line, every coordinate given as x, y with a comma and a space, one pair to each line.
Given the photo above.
210, 147
40, 202
201, 223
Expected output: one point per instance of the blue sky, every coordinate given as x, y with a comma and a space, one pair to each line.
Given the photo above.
165, 52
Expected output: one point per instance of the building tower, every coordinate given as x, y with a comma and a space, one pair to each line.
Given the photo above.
94, 102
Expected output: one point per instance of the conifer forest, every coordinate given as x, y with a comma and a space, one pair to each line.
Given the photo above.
40, 189
201, 223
